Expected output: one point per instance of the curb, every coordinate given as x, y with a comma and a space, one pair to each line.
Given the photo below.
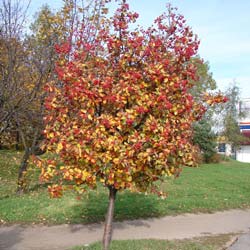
231, 242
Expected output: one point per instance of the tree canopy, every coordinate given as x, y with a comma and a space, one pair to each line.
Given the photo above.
122, 112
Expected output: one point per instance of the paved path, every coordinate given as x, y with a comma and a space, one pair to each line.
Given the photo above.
242, 243
62, 237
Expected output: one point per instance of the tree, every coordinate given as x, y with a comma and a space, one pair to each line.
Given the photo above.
27, 63
25, 67
40, 66
122, 111
204, 137
204, 81
47, 30
12, 18
18, 91
231, 115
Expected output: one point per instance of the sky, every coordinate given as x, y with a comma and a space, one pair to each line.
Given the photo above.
223, 27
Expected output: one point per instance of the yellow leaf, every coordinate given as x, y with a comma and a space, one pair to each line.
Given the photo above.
79, 149
129, 178
59, 147
116, 161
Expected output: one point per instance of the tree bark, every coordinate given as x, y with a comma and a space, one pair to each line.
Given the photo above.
17, 140
109, 219
29, 150
21, 174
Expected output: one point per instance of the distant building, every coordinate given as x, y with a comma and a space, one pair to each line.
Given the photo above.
224, 147
243, 152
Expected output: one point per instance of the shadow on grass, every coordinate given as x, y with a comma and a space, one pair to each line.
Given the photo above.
128, 206
135, 205
33, 188
37, 187
5, 197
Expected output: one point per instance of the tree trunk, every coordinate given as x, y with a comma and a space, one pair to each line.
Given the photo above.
17, 141
29, 150
21, 182
109, 219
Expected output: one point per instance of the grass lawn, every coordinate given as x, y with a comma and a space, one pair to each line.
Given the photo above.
208, 188
204, 243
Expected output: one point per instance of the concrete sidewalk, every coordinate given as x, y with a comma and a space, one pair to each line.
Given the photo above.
241, 243
61, 237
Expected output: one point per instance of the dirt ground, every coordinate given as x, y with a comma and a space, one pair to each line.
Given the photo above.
62, 237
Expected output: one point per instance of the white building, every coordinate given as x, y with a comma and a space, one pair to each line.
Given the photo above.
243, 152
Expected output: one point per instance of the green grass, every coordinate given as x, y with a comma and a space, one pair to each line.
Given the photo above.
211, 187
204, 243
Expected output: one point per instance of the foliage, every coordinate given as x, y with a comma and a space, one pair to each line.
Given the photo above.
204, 137
122, 113
231, 115
217, 158
204, 81
13, 72
26, 64
18, 113
24, 74
227, 118
203, 134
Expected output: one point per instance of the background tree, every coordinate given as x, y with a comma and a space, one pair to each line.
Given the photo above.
26, 68
12, 54
122, 111
204, 81
40, 65
230, 115
27, 63
17, 89
205, 138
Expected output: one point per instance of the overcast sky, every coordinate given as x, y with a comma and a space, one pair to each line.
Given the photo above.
223, 26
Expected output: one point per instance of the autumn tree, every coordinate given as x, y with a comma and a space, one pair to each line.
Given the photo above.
27, 63
122, 112
47, 30
17, 89
40, 69
25, 67
12, 19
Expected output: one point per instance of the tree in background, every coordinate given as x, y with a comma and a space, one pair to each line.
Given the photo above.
121, 112
230, 115
40, 64
204, 136
204, 81
12, 56
25, 69
27, 63
18, 91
